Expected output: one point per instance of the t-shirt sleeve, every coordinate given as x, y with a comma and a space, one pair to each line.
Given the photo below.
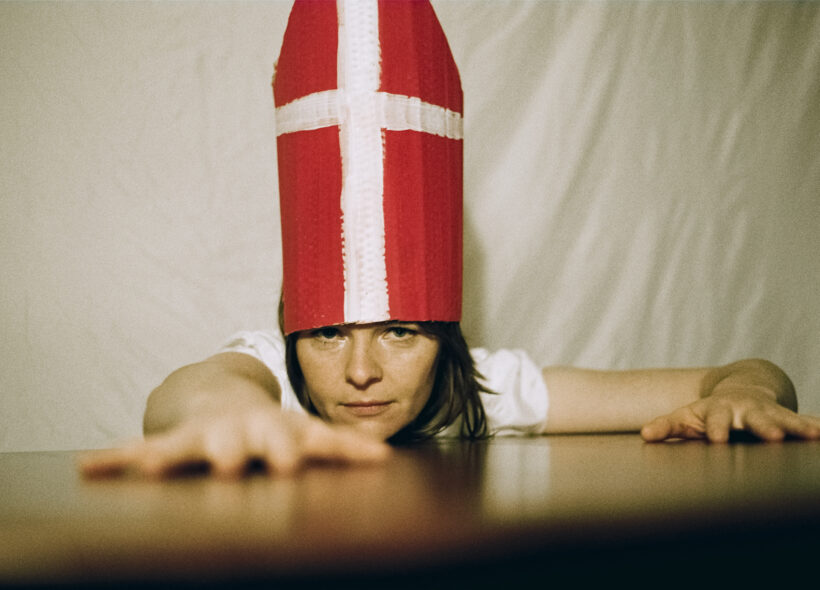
269, 348
520, 403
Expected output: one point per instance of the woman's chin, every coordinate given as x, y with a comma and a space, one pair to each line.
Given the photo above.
375, 428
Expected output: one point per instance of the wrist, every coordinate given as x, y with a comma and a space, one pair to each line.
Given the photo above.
205, 389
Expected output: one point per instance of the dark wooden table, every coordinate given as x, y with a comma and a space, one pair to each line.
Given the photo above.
569, 509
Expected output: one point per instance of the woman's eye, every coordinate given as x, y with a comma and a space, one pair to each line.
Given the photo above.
326, 333
401, 332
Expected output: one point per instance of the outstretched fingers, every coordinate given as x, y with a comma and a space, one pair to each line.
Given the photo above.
108, 462
228, 445
166, 454
718, 424
778, 423
716, 417
334, 443
763, 426
300, 439
679, 424
657, 430
801, 426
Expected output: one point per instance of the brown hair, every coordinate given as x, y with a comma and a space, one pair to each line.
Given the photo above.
456, 389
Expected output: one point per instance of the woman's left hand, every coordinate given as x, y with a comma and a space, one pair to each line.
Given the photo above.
732, 409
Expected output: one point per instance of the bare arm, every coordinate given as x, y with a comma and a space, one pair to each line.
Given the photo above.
752, 395
586, 400
222, 382
224, 412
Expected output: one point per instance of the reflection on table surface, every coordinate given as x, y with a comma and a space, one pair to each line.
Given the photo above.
484, 512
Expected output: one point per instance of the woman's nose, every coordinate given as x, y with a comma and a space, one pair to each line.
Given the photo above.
363, 367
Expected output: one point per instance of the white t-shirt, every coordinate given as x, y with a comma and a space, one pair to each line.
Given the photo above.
519, 405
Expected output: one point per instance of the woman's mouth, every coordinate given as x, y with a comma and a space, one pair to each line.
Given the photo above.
367, 408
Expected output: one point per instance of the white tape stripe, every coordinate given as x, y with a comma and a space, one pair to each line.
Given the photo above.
314, 111
400, 113
359, 72
394, 111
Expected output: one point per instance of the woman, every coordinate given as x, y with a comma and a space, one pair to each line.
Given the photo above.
367, 383
369, 147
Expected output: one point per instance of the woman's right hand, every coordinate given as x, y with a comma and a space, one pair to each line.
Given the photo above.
228, 442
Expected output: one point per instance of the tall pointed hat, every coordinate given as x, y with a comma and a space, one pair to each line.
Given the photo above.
369, 140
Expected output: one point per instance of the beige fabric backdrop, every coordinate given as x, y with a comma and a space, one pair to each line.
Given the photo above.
642, 189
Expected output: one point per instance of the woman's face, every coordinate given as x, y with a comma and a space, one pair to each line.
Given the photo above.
374, 377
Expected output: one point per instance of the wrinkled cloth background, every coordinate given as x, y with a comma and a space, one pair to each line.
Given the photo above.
642, 189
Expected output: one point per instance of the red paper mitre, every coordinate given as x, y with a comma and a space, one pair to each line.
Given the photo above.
369, 140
